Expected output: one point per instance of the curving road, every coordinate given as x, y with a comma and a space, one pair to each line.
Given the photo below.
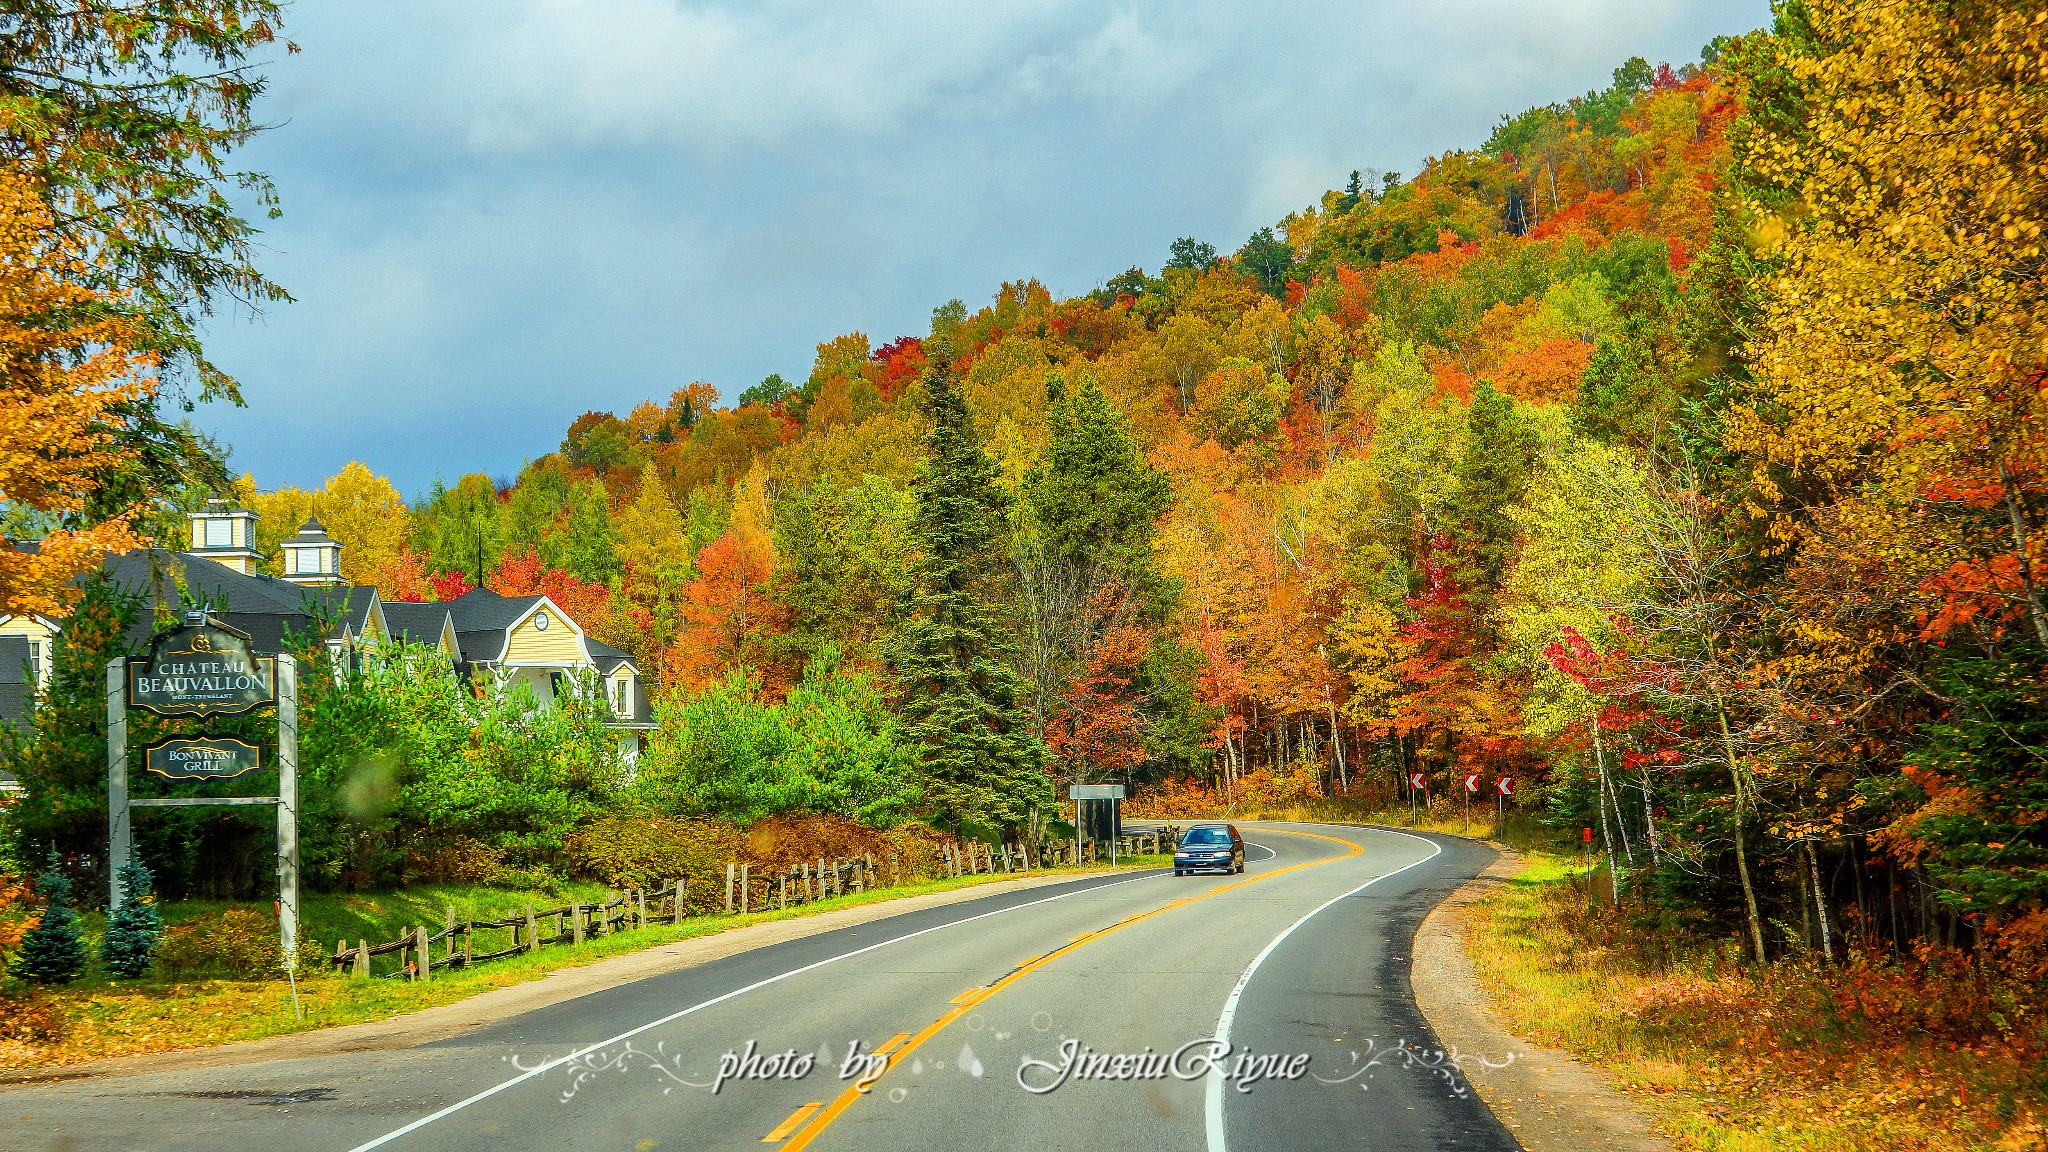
1296, 972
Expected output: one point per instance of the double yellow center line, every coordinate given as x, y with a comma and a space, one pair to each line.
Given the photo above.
809, 1120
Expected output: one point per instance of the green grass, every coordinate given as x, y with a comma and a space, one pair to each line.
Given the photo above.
110, 1017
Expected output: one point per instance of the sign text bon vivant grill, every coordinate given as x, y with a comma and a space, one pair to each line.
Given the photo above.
201, 670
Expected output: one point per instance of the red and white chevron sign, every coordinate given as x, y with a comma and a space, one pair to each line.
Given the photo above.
1472, 782
1415, 781
1506, 784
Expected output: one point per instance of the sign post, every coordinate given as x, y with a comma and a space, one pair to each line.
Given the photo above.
1471, 787
1503, 788
201, 670
1416, 784
1098, 815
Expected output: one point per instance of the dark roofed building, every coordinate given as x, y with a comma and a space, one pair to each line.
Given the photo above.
501, 640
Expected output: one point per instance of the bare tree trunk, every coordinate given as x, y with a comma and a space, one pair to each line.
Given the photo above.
1337, 742
1609, 794
1820, 905
2019, 535
1650, 822
1756, 921
1606, 839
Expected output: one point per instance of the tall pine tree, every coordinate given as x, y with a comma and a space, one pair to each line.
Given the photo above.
960, 698
1492, 476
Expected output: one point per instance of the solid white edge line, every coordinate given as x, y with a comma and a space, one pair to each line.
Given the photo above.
1213, 1096
459, 1105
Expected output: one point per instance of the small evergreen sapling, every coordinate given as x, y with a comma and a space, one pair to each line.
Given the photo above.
134, 928
53, 952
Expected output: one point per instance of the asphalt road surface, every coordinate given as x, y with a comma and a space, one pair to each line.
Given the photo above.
1264, 1011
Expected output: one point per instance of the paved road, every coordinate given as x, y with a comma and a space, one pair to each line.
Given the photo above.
1306, 955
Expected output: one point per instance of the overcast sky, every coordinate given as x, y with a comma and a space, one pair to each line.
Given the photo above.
502, 213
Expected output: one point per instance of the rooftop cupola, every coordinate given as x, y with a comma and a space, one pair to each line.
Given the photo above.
225, 535
312, 557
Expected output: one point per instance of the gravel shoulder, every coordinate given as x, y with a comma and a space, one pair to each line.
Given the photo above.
1549, 1100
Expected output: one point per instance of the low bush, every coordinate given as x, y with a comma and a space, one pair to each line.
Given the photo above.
239, 941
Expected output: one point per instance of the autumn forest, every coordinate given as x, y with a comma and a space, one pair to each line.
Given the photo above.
1676, 451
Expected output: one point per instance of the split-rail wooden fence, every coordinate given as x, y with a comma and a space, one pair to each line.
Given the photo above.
419, 953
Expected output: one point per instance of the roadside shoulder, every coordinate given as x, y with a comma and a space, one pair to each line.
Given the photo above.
1550, 1101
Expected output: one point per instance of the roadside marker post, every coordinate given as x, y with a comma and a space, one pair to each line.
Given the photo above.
1417, 783
1471, 786
1503, 788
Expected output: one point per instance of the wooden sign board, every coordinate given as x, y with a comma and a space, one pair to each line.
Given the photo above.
202, 758
201, 670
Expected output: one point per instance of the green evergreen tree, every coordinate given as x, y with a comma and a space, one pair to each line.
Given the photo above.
1094, 495
591, 548
1492, 475
53, 952
960, 698
135, 927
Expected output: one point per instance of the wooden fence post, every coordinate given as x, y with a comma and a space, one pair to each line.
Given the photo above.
782, 892
746, 887
675, 910
532, 932
362, 965
640, 907
576, 923
468, 939
731, 870
426, 952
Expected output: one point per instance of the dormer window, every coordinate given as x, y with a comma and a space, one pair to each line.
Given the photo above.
622, 696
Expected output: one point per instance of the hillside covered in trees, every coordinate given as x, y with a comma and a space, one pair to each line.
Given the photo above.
1677, 451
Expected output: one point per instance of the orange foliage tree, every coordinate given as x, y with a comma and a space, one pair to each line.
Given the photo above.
69, 375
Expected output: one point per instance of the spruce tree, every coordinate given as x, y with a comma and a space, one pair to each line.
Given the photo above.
134, 928
1493, 476
53, 952
960, 698
1094, 495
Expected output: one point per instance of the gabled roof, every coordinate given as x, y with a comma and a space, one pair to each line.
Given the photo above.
263, 606
417, 623
484, 620
606, 657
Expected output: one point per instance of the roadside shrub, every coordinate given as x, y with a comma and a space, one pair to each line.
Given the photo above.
830, 747
1175, 798
242, 942
646, 849
28, 1017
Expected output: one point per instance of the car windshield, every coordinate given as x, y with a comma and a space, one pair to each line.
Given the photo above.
1214, 837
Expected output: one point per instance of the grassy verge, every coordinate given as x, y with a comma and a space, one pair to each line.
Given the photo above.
130, 1017
1796, 1057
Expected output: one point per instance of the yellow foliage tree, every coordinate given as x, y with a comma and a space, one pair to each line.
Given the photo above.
68, 372
1901, 341
360, 509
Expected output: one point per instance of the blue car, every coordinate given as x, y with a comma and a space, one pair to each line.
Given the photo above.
1209, 848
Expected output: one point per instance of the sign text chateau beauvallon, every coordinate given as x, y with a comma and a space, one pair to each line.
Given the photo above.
200, 669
